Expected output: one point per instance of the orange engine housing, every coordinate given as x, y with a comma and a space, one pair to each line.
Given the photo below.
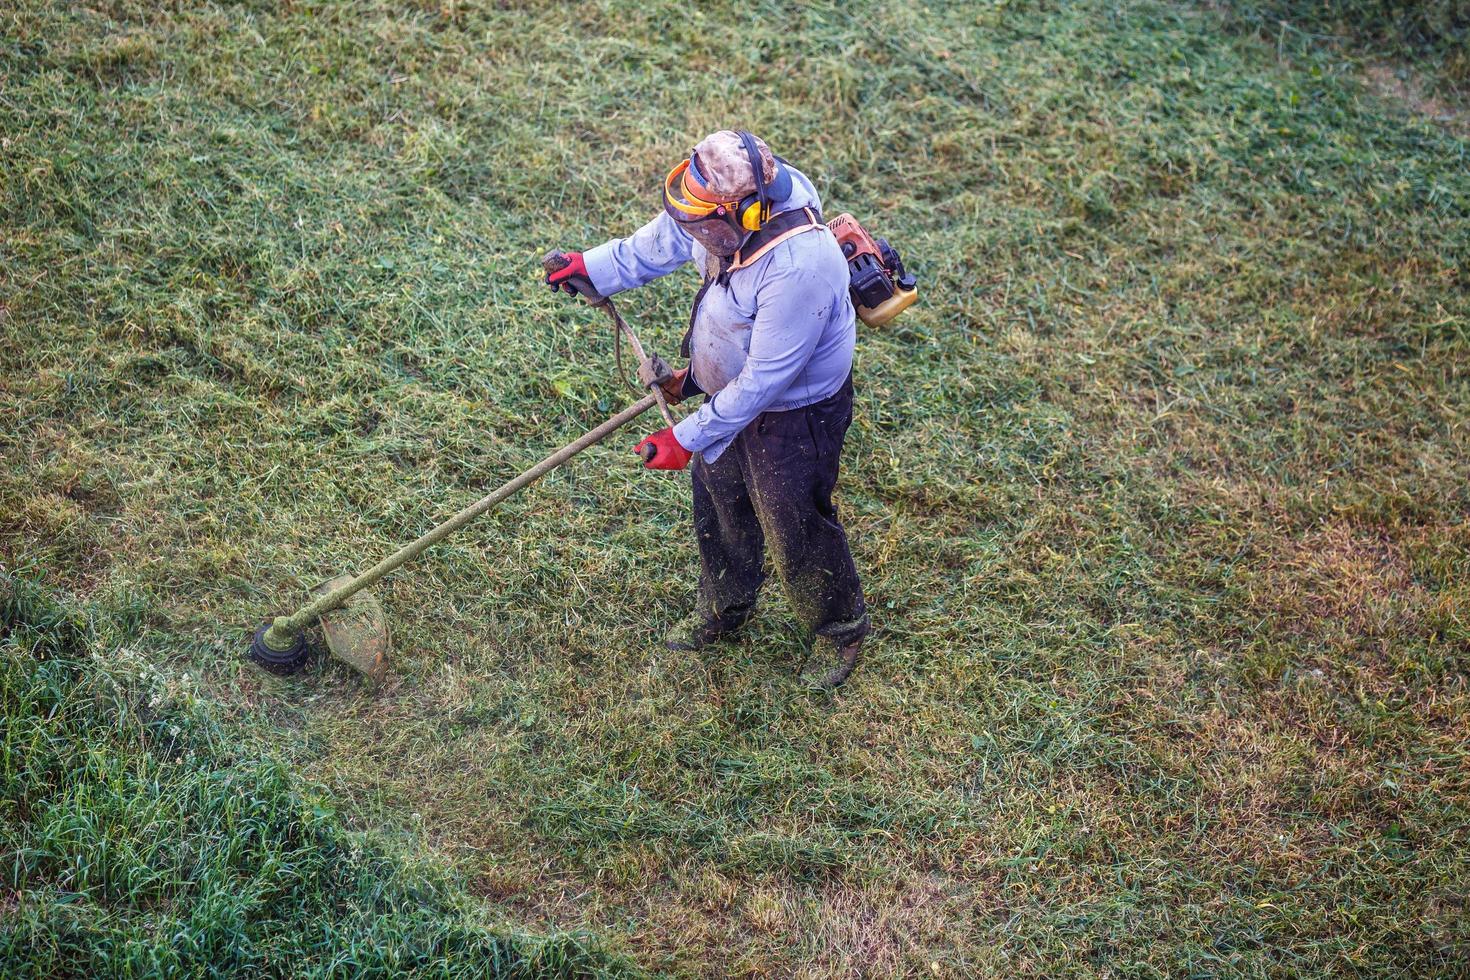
880, 288
847, 230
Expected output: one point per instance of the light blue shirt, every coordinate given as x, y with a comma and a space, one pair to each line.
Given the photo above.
778, 337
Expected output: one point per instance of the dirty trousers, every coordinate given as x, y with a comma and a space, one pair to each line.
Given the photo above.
773, 484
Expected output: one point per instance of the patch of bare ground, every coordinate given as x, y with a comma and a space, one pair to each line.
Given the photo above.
855, 933
1343, 582
1400, 85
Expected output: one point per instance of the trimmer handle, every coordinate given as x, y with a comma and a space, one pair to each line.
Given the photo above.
555, 261
648, 452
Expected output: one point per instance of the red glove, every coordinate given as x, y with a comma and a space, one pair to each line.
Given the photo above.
661, 451
575, 268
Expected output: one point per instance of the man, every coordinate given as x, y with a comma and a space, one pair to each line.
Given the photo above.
770, 344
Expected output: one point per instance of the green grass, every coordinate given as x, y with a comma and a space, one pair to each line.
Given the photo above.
141, 839
1160, 495
1432, 35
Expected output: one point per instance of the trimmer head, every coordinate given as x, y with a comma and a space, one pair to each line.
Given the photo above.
282, 663
356, 633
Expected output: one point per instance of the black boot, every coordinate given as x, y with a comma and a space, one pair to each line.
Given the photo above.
694, 632
831, 671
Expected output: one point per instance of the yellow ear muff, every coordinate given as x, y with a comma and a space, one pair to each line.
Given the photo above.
750, 214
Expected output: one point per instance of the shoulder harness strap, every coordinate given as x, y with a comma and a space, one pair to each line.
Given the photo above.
787, 224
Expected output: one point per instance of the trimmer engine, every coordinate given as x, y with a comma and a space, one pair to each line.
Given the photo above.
880, 287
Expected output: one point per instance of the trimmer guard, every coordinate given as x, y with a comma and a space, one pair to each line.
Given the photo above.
357, 633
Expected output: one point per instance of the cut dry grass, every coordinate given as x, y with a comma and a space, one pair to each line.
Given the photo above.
1160, 496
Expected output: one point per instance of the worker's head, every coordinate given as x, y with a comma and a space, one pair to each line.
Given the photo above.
715, 194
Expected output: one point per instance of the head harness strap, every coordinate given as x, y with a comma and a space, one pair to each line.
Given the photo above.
758, 171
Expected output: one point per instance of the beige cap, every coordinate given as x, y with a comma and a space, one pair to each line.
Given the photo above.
725, 166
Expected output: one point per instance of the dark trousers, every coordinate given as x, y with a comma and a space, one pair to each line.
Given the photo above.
773, 484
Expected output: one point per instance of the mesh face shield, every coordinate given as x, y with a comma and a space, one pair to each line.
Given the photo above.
713, 224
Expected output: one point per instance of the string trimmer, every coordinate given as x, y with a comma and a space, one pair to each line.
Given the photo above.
352, 619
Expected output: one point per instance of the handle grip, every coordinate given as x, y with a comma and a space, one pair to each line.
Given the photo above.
647, 451
555, 261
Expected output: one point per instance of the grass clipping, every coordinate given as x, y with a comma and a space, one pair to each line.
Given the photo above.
136, 842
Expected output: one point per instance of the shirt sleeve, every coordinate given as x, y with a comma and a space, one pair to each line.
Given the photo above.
654, 250
792, 307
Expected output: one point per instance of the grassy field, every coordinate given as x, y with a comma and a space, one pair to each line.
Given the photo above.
1160, 498
1430, 38
142, 840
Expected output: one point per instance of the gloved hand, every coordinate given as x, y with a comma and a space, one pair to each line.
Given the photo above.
655, 372
575, 268
661, 451
674, 387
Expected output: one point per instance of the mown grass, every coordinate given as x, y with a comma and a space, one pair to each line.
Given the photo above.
140, 840
1431, 36
1160, 497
